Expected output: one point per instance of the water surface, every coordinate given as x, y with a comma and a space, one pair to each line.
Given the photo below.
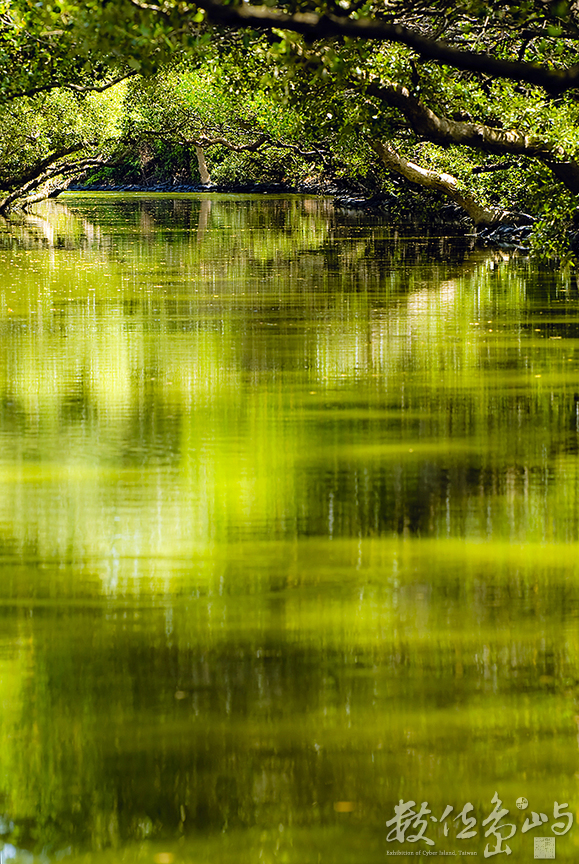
289, 532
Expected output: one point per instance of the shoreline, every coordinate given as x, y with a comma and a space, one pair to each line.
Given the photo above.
508, 237
250, 187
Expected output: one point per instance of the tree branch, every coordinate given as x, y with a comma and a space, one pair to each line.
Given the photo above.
204, 142
441, 130
99, 88
65, 85
51, 159
501, 166
314, 27
66, 169
263, 140
448, 185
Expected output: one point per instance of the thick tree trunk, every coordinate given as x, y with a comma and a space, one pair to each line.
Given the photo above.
202, 164
444, 131
48, 191
26, 193
13, 181
448, 185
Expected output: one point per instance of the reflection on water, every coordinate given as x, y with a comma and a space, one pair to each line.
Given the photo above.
289, 531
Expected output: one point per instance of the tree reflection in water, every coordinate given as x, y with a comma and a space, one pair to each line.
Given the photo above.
289, 519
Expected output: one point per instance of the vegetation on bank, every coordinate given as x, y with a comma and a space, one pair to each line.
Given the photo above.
473, 102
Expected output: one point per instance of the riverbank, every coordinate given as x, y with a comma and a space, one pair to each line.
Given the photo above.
250, 187
409, 207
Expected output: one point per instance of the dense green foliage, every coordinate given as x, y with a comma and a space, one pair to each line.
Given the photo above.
283, 93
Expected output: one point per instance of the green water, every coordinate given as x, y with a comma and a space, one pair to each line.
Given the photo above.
289, 532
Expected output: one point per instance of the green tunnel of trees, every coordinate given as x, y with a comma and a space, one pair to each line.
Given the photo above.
475, 102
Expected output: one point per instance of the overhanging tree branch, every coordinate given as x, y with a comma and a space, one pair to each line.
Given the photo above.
251, 147
500, 166
67, 85
16, 182
449, 186
442, 130
314, 26
61, 170
264, 140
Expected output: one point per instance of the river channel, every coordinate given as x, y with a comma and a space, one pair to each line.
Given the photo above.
289, 537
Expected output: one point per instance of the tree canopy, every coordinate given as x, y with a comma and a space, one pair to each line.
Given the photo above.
474, 101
